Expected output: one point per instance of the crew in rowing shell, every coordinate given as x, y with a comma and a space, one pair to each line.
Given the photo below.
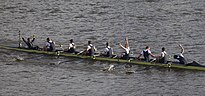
125, 55
180, 56
71, 47
163, 56
108, 52
90, 51
146, 53
50, 45
29, 43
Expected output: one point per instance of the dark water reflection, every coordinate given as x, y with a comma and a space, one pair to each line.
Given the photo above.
156, 23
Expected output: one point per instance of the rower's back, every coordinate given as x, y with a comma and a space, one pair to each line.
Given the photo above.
90, 49
109, 50
164, 57
146, 55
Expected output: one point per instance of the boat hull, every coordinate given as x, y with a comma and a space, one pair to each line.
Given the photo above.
135, 62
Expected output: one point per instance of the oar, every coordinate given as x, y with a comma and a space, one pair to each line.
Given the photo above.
80, 52
19, 38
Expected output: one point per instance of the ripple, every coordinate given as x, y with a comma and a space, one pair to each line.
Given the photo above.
155, 23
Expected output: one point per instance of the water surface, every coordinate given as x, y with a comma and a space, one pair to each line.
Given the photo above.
154, 23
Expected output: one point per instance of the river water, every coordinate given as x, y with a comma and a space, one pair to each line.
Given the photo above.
154, 23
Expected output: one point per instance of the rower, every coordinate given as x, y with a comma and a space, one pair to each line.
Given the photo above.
29, 43
71, 47
90, 51
50, 45
146, 53
125, 55
180, 56
163, 56
108, 51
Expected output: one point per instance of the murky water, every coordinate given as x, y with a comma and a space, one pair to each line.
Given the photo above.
157, 23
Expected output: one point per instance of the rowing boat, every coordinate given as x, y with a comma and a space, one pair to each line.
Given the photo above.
135, 62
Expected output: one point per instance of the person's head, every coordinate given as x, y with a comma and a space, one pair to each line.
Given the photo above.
28, 39
89, 42
71, 40
147, 47
48, 39
163, 49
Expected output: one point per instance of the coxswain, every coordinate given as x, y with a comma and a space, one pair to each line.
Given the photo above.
146, 53
163, 56
50, 45
125, 55
29, 43
180, 57
108, 52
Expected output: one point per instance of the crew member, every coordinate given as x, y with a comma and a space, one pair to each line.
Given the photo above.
146, 53
163, 56
108, 52
90, 51
126, 48
71, 47
50, 45
29, 43
180, 56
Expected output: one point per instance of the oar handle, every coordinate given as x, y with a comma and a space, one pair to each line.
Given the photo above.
19, 38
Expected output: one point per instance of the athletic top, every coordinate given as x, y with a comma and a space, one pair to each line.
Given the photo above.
142, 53
50, 45
163, 58
90, 46
163, 54
91, 50
108, 51
146, 54
127, 50
181, 59
71, 45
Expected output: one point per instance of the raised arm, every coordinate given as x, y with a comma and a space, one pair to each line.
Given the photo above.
127, 42
122, 46
182, 49
23, 40
33, 39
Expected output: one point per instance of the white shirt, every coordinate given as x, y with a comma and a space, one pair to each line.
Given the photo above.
107, 49
48, 44
127, 50
71, 45
163, 54
146, 51
180, 54
89, 47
